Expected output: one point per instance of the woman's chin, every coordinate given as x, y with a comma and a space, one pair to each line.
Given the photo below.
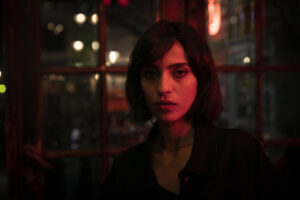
167, 119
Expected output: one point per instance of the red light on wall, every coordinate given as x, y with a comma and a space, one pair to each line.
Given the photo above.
214, 16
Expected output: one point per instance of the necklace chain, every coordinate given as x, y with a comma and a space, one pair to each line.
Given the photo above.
180, 147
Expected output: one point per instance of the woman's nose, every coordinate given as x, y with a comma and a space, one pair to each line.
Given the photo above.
164, 85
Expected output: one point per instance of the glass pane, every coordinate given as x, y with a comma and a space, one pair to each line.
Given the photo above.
239, 103
3, 176
122, 132
281, 106
230, 31
126, 21
281, 43
73, 178
71, 111
69, 33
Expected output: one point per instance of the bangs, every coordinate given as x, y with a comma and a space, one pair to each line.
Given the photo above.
155, 50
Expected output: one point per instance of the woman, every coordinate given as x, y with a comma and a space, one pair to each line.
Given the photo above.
171, 80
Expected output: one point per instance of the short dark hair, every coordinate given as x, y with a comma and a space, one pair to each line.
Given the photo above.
153, 44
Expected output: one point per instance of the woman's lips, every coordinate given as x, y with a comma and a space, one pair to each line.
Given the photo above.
165, 105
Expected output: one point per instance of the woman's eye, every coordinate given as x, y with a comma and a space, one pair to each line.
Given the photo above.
150, 74
180, 73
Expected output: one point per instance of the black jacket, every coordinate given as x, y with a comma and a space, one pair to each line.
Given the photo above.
224, 164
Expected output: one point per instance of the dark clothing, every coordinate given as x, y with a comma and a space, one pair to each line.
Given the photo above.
224, 164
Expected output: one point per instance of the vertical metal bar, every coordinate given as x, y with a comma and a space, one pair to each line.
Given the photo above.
157, 7
195, 15
102, 32
259, 107
13, 106
103, 91
39, 129
259, 25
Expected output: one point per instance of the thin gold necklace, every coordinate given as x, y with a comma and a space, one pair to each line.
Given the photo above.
180, 147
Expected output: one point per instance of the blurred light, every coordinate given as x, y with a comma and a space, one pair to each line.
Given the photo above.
113, 56
78, 45
246, 60
70, 87
60, 78
214, 17
107, 2
78, 64
52, 77
95, 45
75, 137
58, 29
97, 76
108, 79
233, 19
107, 63
123, 3
0, 73
80, 18
94, 19
50, 26
2, 88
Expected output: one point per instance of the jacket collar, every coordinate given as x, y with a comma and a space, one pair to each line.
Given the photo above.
204, 156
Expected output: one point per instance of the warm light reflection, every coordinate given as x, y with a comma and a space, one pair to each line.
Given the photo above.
78, 45
60, 78
97, 76
95, 45
94, 19
246, 60
214, 16
2, 88
50, 26
70, 87
58, 29
80, 18
78, 64
113, 56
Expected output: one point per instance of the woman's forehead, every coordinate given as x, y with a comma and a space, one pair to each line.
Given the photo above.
175, 54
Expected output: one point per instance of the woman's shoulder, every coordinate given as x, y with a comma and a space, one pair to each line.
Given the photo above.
237, 138
235, 133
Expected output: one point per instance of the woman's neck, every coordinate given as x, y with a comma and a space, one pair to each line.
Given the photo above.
176, 135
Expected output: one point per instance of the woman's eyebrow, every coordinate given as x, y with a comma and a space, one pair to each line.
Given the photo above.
180, 64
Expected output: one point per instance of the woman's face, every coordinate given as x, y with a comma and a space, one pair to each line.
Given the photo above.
169, 86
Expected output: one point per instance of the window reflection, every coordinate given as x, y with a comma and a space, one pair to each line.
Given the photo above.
68, 32
281, 42
121, 130
125, 24
239, 101
235, 40
71, 112
281, 105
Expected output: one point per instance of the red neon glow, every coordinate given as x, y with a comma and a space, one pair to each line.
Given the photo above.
214, 16
123, 3
107, 2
